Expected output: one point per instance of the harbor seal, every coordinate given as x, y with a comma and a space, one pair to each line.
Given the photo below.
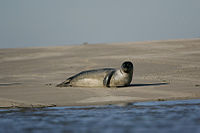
105, 77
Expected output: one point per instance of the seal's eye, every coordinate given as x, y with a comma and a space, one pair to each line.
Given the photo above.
124, 65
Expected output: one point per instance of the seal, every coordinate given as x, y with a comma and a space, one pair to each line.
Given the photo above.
105, 77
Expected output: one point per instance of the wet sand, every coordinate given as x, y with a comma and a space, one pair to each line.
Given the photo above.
164, 70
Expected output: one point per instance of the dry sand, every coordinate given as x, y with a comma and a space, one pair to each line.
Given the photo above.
164, 70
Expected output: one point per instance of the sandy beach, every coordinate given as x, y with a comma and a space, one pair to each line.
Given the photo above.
164, 70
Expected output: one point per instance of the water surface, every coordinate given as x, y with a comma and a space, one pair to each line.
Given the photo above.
164, 116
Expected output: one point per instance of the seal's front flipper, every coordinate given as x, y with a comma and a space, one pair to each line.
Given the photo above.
106, 81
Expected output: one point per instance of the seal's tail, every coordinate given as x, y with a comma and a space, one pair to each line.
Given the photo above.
64, 84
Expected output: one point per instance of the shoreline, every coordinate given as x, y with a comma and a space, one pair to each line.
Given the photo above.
122, 104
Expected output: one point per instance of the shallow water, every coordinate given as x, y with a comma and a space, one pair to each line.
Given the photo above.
167, 116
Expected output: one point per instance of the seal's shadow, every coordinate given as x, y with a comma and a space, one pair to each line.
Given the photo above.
149, 84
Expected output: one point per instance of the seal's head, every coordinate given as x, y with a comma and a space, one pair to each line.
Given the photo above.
127, 67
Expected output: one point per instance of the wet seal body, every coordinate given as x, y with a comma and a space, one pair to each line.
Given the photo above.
105, 77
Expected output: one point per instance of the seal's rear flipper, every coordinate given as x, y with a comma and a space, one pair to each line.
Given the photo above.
64, 84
